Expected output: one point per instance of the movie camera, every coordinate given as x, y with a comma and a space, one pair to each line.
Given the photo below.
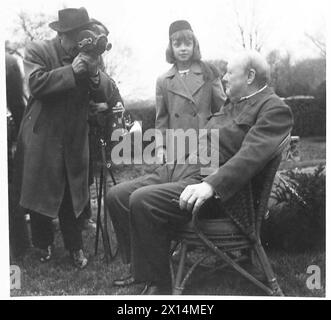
93, 42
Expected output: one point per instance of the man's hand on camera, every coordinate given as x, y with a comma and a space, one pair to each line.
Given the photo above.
79, 66
96, 108
92, 63
118, 107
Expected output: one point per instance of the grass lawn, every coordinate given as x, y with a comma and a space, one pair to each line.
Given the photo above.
58, 277
312, 148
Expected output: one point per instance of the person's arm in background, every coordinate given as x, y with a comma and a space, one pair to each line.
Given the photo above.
218, 95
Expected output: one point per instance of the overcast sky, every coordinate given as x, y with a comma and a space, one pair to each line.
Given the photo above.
143, 26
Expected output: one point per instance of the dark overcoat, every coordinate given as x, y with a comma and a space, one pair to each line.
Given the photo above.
53, 138
246, 135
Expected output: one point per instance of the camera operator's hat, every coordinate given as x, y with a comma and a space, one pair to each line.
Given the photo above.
178, 26
70, 19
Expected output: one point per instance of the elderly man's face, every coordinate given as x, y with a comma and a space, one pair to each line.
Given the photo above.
235, 80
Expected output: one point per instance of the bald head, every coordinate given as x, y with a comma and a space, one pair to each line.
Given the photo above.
247, 72
252, 60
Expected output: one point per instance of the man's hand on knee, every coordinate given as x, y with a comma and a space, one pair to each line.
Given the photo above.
195, 195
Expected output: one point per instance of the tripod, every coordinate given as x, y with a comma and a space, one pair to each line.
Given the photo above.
117, 120
109, 247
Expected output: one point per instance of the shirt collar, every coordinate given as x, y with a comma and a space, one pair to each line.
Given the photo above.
253, 94
195, 68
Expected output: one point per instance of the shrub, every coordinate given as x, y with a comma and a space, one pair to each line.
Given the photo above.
309, 116
297, 221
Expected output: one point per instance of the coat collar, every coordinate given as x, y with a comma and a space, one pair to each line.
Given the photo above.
259, 96
245, 102
195, 68
194, 81
267, 91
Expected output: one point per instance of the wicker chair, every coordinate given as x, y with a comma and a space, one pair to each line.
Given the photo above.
233, 238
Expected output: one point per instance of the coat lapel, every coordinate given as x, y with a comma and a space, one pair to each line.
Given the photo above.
178, 86
194, 81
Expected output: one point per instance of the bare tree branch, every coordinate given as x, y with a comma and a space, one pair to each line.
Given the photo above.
320, 44
23, 23
241, 28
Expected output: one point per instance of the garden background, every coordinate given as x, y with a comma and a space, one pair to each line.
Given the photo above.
294, 234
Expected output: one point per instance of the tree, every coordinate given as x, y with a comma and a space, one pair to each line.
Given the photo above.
299, 78
281, 72
117, 59
29, 27
318, 39
221, 66
249, 24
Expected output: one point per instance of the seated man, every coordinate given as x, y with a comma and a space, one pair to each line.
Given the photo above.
251, 126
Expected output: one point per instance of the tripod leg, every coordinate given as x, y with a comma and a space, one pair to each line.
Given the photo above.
108, 227
98, 214
105, 236
111, 174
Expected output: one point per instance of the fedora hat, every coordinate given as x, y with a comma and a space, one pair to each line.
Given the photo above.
71, 19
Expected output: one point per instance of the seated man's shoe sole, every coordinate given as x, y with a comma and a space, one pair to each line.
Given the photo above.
127, 281
46, 255
78, 259
150, 289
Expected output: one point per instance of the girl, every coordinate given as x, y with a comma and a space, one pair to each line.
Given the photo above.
188, 93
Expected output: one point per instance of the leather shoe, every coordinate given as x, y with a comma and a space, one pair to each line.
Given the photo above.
128, 280
152, 289
46, 254
78, 258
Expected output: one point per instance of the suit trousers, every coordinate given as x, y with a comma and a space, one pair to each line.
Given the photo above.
143, 216
71, 227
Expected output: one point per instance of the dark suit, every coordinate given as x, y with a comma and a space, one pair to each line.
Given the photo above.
143, 213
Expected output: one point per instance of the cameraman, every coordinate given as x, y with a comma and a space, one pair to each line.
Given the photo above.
102, 120
54, 133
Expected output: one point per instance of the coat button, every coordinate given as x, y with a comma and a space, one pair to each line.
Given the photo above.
176, 115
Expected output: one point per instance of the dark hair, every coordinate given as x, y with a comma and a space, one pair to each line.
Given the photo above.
183, 35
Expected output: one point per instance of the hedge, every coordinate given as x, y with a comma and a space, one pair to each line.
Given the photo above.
309, 115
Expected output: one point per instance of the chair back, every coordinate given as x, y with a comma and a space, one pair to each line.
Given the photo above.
248, 207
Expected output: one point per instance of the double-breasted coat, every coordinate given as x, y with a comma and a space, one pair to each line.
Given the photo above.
53, 139
186, 103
